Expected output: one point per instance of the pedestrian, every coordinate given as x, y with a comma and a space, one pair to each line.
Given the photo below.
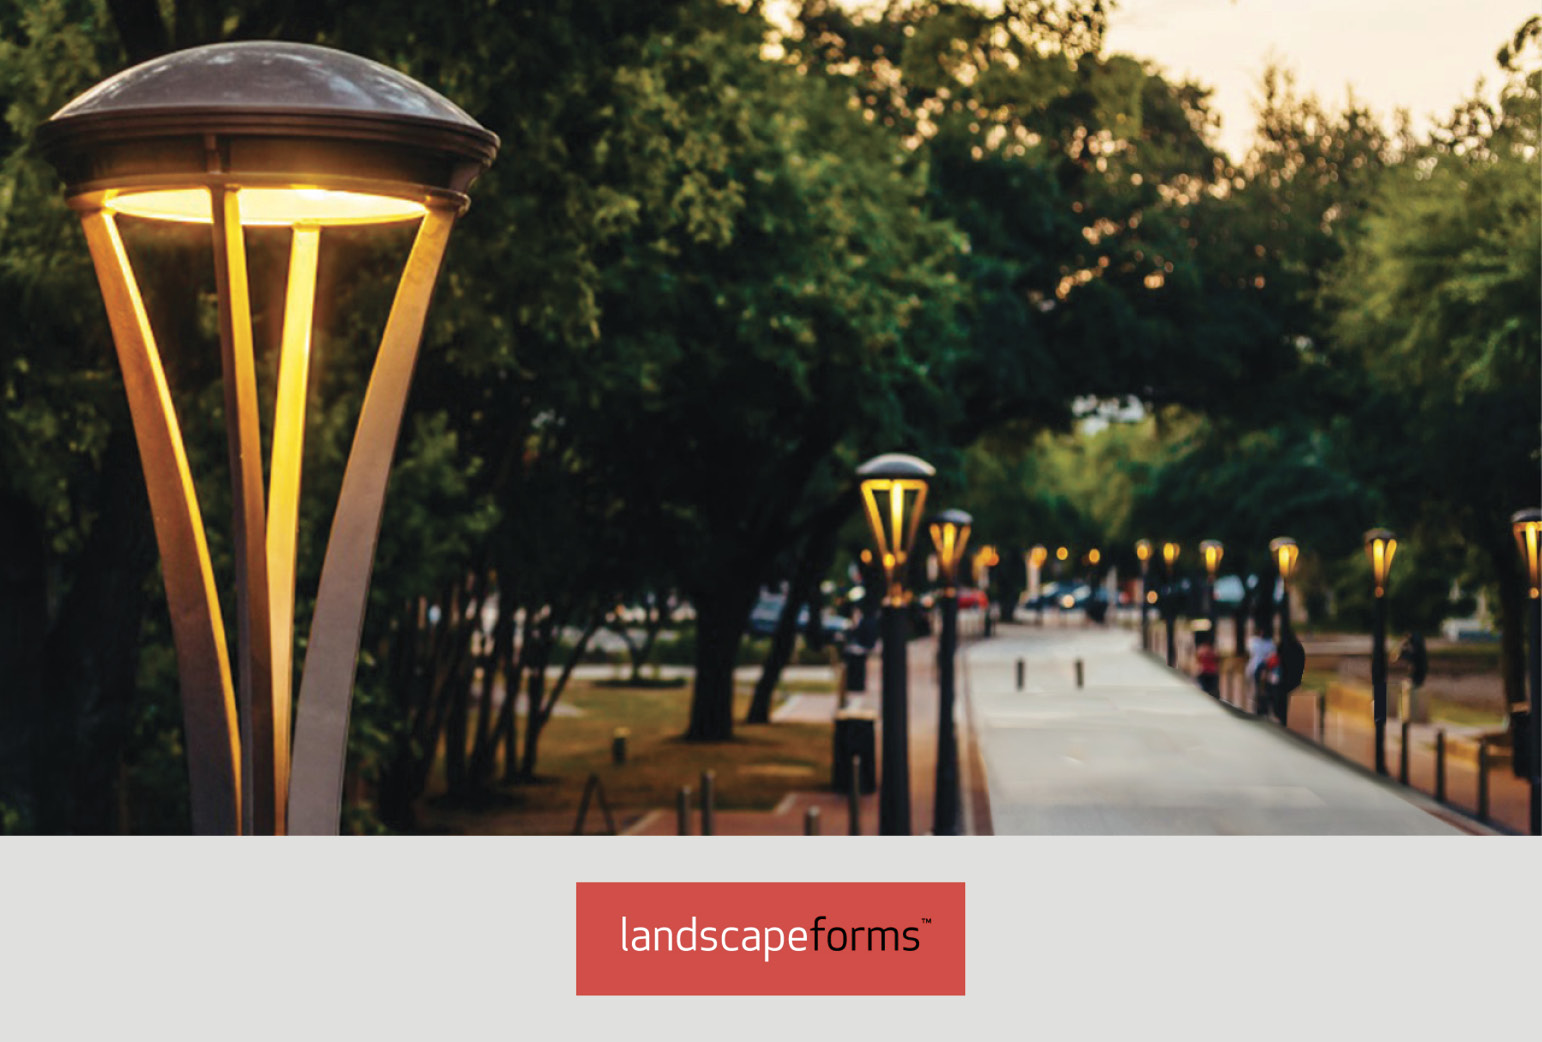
1260, 651
1413, 654
1208, 664
1292, 667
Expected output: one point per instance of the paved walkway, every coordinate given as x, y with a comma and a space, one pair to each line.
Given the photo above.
1140, 750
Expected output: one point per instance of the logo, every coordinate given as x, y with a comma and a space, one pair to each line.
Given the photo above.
770, 939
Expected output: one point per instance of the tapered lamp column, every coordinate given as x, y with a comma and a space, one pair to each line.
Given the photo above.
1527, 526
1143, 554
1380, 546
305, 139
950, 534
893, 490
1170, 552
1285, 553
1212, 551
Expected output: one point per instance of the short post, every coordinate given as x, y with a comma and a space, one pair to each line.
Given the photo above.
1482, 779
707, 794
1322, 718
618, 739
854, 799
1440, 766
683, 811
1403, 752
1022, 673
811, 822
1080, 673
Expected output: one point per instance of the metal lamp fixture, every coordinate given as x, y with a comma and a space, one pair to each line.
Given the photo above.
950, 534
1527, 528
1170, 553
893, 488
234, 136
1285, 553
1212, 551
894, 494
1380, 546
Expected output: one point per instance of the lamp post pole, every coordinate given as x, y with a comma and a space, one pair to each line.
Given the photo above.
893, 488
236, 136
1143, 552
950, 533
1527, 527
1169, 606
1380, 545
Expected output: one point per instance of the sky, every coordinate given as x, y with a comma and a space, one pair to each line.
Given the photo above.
1422, 55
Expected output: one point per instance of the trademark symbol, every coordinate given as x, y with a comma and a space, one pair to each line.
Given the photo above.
926, 919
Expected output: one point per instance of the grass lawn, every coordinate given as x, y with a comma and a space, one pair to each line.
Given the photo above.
754, 771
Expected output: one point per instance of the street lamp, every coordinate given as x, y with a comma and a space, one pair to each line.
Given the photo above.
281, 135
1170, 552
1380, 546
950, 534
985, 559
894, 494
1036, 558
1527, 526
1212, 551
1285, 553
1143, 554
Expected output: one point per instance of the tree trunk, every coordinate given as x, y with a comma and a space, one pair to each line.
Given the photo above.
721, 613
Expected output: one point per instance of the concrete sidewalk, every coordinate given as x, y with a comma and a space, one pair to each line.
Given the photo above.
1140, 750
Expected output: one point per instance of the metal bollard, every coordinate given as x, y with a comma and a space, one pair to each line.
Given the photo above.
854, 799
1080, 674
811, 822
1482, 780
707, 778
1440, 766
1403, 753
683, 811
1022, 673
618, 739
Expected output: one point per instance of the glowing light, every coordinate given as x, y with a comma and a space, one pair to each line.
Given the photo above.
274, 207
1213, 552
1285, 552
1527, 528
1380, 546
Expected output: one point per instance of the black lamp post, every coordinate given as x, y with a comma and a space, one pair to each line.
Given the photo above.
307, 139
1285, 553
1170, 552
894, 494
1527, 526
1143, 553
1212, 551
1380, 546
950, 534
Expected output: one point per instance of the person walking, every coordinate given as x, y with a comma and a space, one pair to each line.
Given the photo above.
1208, 664
1260, 652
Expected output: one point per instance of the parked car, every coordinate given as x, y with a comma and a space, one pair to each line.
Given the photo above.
767, 612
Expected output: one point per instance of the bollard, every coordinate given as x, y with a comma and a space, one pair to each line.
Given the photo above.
1482, 780
811, 822
854, 799
1440, 766
1080, 673
618, 739
683, 811
707, 778
1022, 673
1322, 718
1402, 753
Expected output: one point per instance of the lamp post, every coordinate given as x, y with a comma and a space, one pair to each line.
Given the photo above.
1527, 526
1212, 551
985, 559
1036, 558
1143, 554
1285, 553
950, 534
1170, 552
894, 494
234, 136
1380, 546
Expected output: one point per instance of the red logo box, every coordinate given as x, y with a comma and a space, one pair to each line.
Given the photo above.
770, 939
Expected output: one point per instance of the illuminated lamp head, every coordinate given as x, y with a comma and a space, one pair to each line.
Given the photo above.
950, 534
893, 488
1380, 546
